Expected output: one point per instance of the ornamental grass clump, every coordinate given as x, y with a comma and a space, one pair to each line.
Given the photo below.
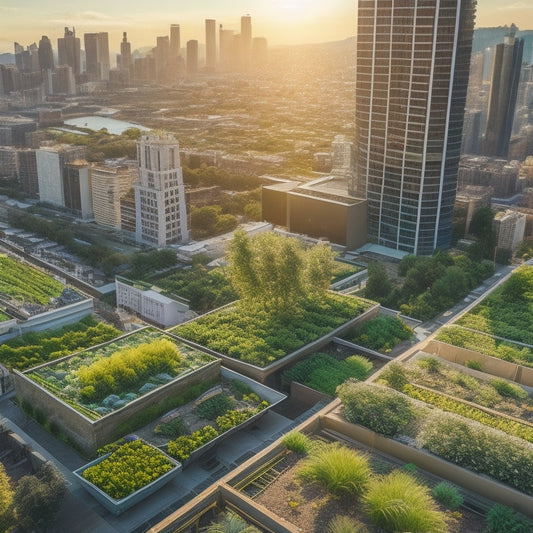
378, 408
340, 469
447, 495
131, 467
296, 441
345, 524
398, 502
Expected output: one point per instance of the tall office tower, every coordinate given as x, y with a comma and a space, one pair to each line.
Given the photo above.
210, 44
63, 81
97, 55
175, 61
161, 217
69, 51
246, 41
225, 46
192, 56
161, 58
77, 188
46, 55
125, 53
412, 75
27, 169
506, 63
175, 40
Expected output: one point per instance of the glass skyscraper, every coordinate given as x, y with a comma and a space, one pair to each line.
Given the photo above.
413, 61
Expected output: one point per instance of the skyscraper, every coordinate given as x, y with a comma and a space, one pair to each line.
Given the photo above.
246, 40
412, 74
97, 55
68, 51
46, 55
192, 56
161, 58
210, 44
161, 217
125, 53
506, 64
175, 61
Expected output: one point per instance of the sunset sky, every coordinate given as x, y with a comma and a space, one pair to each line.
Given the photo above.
280, 21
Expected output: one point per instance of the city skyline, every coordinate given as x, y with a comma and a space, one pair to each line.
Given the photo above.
281, 21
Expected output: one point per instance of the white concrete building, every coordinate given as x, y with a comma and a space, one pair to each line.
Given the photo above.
161, 217
148, 304
509, 227
50, 170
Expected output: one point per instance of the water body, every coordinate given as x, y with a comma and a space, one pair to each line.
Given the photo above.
96, 123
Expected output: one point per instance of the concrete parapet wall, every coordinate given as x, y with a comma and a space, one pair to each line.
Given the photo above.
482, 485
490, 365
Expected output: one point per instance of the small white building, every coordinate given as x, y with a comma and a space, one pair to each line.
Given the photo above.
149, 304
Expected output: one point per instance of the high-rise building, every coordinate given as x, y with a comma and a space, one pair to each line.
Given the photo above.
97, 55
210, 44
412, 73
506, 63
225, 46
46, 55
192, 56
125, 53
161, 58
161, 217
69, 51
246, 40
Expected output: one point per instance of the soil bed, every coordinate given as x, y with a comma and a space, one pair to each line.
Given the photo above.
310, 507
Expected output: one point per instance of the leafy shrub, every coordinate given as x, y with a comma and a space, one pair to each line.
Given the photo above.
345, 524
398, 502
174, 428
506, 388
479, 448
230, 523
182, 447
129, 468
324, 373
395, 376
377, 408
239, 388
474, 365
234, 417
503, 519
215, 406
382, 333
296, 441
447, 495
431, 364
127, 367
341, 469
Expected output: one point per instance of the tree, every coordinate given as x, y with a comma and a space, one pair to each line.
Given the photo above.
481, 228
6, 500
276, 272
39, 497
378, 285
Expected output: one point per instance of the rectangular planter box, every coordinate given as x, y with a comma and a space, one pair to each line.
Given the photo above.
119, 506
265, 393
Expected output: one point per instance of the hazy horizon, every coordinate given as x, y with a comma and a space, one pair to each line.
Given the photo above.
281, 22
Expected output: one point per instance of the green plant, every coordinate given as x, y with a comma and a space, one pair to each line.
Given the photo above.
382, 333
174, 428
296, 441
129, 468
395, 376
341, 469
239, 388
473, 364
182, 447
506, 388
431, 364
503, 519
345, 524
447, 495
375, 407
398, 502
215, 406
230, 523
411, 468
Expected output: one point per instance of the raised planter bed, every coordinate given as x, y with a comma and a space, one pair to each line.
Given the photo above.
118, 506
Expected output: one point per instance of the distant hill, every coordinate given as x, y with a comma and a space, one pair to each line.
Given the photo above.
7, 59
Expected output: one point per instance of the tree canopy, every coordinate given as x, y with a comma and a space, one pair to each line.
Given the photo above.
276, 272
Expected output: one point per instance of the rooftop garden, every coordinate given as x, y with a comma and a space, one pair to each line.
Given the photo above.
26, 285
34, 348
508, 311
284, 303
4, 317
102, 379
